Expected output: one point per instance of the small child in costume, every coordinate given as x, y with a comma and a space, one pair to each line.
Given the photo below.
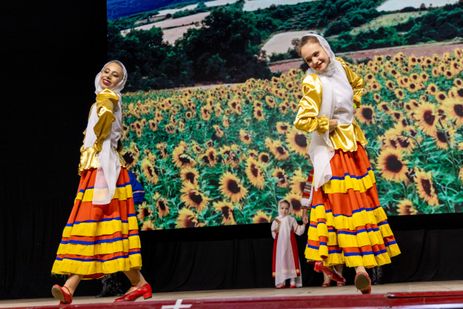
286, 263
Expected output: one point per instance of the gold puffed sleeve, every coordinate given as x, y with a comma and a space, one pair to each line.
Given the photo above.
309, 106
355, 81
105, 102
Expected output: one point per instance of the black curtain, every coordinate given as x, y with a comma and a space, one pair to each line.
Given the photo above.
50, 53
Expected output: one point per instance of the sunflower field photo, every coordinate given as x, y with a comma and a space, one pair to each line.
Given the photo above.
209, 120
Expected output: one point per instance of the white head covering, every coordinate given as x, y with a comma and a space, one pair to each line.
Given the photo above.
280, 213
336, 92
118, 88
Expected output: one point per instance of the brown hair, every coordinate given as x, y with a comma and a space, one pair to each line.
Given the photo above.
284, 201
304, 40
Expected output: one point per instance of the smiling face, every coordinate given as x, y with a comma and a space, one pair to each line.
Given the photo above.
315, 56
111, 75
284, 208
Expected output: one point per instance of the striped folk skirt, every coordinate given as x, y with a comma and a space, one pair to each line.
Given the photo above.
347, 223
100, 239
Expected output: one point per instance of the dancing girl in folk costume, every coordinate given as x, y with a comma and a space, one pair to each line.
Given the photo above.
101, 234
286, 263
348, 226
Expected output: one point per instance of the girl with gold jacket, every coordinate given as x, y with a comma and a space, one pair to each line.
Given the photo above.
348, 226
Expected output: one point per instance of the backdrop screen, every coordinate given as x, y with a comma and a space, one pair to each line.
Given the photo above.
213, 91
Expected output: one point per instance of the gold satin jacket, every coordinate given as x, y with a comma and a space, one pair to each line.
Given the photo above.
105, 103
344, 136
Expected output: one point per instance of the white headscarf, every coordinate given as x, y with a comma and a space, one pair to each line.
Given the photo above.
110, 166
336, 91
118, 88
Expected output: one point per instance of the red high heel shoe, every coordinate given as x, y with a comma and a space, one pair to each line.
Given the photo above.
144, 291
64, 296
333, 275
362, 282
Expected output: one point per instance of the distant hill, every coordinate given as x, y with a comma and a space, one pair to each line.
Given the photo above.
121, 8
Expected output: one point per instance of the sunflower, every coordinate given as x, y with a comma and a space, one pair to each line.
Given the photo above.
192, 197
235, 106
384, 106
137, 127
297, 141
280, 175
226, 208
365, 114
180, 158
148, 226
218, 133
399, 94
259, 114
456, 93
186, 218
424, 77
298, 182
425, 187
277, 149
206, 113
144, 211
162, 205
211, 155
458, 82
170, 128
282, 127
190, 175
270, 102
415, 77
283, 108
405, 208
264, 157
149, 170
392, 166
251, 153
444, 139
427, 118
454, 110
258, 104
218, 110
375, 86
254, 173
225, 122
245, 137
231, 187
153, 125
414, 87
261, 217
196, 147
295, 200
448, 74
440, 96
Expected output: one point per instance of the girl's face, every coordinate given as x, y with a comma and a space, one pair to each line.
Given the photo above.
284, 209
111, 75
315, 56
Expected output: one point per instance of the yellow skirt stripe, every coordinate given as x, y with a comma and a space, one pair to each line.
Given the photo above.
349, 182
101, 228
69, 266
